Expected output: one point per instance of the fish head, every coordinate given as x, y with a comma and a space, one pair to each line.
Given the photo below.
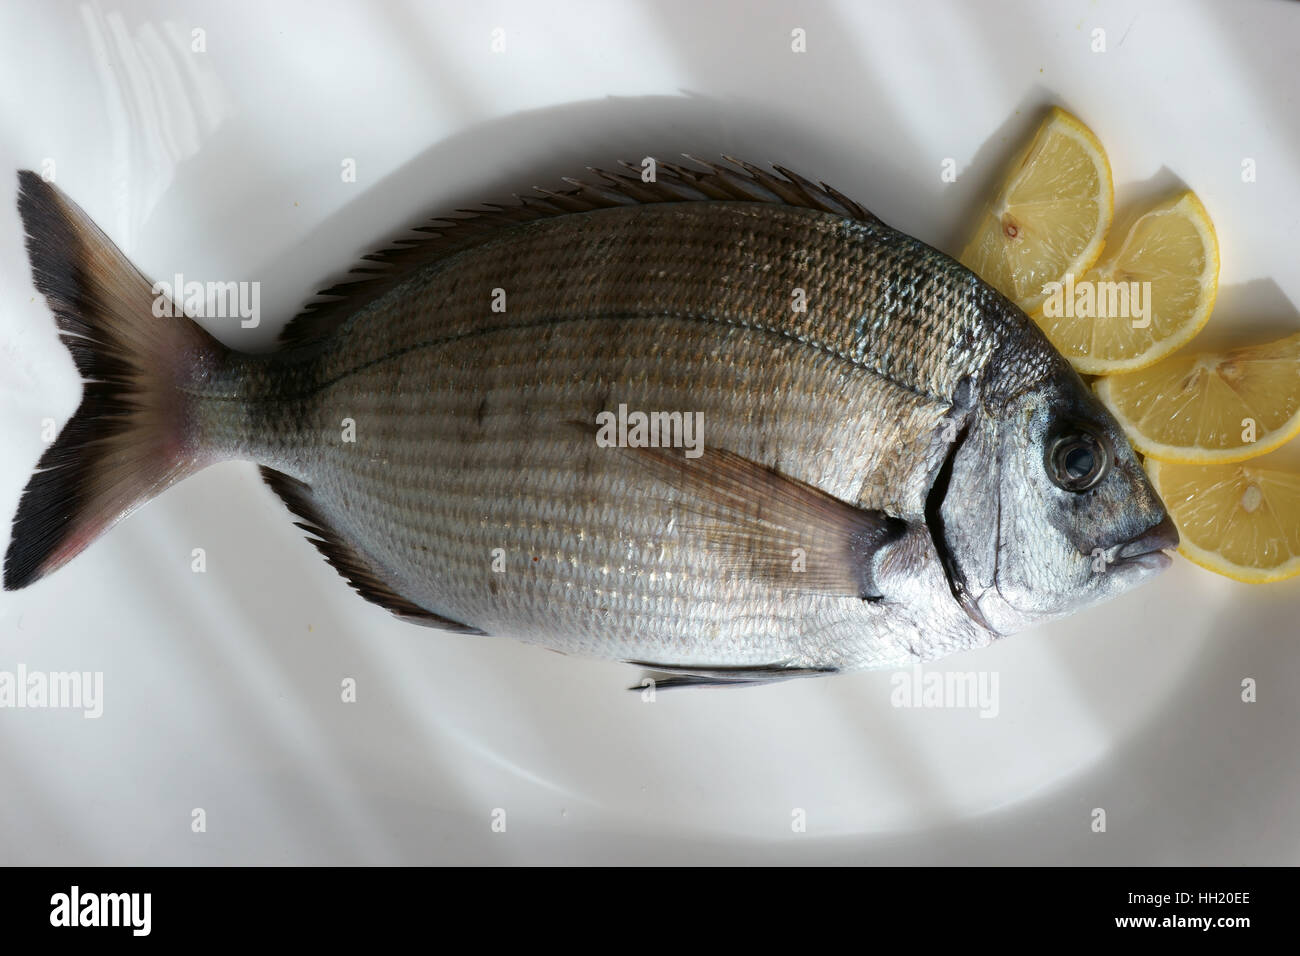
1047, 509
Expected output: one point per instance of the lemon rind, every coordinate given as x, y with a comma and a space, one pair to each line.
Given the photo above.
1195, 454
1213, 561
1060, 120
1200, 217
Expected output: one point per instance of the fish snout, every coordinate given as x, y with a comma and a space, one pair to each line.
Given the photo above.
1148, 548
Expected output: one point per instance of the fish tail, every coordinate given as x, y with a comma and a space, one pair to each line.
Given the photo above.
133, 435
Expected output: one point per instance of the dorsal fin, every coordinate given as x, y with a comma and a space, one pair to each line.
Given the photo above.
447, 235
298, 497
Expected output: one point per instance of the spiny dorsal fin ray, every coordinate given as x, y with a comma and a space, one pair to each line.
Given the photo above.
446, 235
297, 496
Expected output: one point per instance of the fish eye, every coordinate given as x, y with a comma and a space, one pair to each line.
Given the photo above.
1076, 461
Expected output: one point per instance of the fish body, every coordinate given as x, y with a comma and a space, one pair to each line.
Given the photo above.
727, 425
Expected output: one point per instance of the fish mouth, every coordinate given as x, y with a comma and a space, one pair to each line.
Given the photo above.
1148, 549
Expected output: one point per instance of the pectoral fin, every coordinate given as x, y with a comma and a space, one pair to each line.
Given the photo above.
773, 528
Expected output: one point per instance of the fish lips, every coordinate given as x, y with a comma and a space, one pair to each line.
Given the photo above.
1147, 550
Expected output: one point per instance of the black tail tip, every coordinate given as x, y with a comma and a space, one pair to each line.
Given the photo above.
41, 529
32, 188
21, 567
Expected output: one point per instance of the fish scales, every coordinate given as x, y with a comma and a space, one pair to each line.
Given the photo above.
606, 308
867, 404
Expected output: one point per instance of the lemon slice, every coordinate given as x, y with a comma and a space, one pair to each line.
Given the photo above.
1234, 519
1203, 409
1148, 297
1049, 218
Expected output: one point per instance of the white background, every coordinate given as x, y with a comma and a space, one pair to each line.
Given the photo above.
222, 690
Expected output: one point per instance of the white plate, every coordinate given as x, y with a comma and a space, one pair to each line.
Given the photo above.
222, 689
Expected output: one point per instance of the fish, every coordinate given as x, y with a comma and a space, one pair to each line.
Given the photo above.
713, 420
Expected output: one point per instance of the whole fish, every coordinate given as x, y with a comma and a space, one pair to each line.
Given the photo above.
724, 424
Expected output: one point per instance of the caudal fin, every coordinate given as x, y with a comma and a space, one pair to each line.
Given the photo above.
132, 436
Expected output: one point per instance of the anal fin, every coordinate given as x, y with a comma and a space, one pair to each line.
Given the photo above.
355, 569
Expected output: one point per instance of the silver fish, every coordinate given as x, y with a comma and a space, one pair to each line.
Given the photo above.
726, 425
